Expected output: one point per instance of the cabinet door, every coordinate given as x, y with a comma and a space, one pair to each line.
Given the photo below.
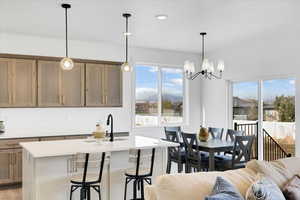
5, 82
94, 85
113, 85
6, 167
24, 83
49, 84
73, 86
18, 166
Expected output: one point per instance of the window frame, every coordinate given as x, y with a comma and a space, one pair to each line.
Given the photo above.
185, 87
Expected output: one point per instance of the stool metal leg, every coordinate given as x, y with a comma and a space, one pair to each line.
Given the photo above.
135, 189
142, 189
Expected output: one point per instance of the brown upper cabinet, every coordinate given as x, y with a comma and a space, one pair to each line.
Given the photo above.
36, 81
57, 87
103, 85
18, 83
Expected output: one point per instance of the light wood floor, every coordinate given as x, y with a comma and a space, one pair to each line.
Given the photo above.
11, 193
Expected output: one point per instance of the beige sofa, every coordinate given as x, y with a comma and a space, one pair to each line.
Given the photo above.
196, 186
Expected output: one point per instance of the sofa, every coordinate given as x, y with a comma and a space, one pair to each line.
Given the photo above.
196, 186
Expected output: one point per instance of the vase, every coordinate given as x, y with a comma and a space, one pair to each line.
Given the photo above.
203, 134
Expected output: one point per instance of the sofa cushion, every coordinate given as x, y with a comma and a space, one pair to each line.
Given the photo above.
223, 190
197, 186
291, 190
276, 171
292, 164
264, 189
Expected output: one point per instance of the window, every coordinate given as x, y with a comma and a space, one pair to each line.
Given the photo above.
159, 93
277, 97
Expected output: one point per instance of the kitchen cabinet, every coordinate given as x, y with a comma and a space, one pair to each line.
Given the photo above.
103, 85
113, 85
6, 167
18, 83
58, 87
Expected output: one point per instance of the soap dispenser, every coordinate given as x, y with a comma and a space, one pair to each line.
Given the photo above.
99, 133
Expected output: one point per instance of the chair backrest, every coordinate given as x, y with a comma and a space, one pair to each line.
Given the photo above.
173, 136
88, 161
173, 128
242, 149
190, 144
142, 159
216, 133
230, 135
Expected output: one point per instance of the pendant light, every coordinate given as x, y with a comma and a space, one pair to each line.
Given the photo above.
66, 63
126, 67
207, 67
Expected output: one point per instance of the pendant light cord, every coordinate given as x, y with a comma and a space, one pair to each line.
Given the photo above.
66, 22
126, 39
202, 47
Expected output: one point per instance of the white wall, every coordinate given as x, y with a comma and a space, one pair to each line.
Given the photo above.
22, 122
270, 54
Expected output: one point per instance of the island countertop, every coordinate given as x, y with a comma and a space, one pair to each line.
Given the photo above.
71, 147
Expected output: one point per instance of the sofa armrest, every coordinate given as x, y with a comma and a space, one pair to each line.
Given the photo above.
150, 192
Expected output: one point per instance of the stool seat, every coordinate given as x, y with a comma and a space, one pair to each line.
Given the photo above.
90, 179
132, 172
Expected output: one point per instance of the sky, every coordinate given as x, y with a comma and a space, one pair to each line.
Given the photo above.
147, 82
271, 89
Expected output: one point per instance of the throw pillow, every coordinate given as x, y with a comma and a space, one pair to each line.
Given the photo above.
223, 190
264, 189
276, 171
291, 190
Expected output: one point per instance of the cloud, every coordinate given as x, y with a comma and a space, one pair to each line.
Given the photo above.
146, 93
177, 81
292, 82
172, 70
153, 69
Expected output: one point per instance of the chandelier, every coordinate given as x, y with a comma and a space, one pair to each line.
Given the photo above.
207, 67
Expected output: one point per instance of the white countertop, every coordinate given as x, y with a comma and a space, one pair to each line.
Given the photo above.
71, 147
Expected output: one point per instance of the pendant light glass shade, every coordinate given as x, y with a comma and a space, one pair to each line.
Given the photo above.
67, 64
126, 67
221, 66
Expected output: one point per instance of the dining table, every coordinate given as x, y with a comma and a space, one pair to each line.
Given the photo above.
214, 146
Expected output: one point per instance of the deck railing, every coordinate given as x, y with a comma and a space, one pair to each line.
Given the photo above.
272, 149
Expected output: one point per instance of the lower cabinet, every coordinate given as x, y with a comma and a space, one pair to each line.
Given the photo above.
10, 166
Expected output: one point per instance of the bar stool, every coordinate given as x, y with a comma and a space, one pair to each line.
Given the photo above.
86, 180
141, 172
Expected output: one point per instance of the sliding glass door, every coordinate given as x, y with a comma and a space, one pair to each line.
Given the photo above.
279, 111
276, 100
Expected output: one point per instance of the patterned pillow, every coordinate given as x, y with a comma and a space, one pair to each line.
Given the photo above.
223, 190
264, 189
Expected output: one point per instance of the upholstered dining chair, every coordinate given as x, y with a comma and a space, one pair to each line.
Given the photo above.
142, 162
87, 174
175, 154
241, 154
194, 158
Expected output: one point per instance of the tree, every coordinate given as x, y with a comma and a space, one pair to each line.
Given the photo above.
285, 106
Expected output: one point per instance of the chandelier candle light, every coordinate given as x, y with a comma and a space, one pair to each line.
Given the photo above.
207, 68
66, 63
126, 67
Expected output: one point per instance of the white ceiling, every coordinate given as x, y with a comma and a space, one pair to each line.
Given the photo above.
226, 21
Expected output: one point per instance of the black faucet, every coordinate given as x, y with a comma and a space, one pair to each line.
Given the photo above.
111, 122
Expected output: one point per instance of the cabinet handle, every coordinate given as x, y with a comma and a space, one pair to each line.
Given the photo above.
105, 99
63, 99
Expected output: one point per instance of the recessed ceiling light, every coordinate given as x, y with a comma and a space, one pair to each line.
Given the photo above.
161, 17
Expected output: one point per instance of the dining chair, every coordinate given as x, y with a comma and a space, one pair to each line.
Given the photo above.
193, 156
241, 154
230, 135
175, 154
84, 176
216, 133
142, 161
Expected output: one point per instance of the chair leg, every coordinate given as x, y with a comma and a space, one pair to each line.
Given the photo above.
125, 193
135, 189
71, 192
169, 167
82, 193
88, 191
142, 189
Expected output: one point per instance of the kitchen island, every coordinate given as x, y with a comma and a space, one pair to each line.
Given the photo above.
47, 165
